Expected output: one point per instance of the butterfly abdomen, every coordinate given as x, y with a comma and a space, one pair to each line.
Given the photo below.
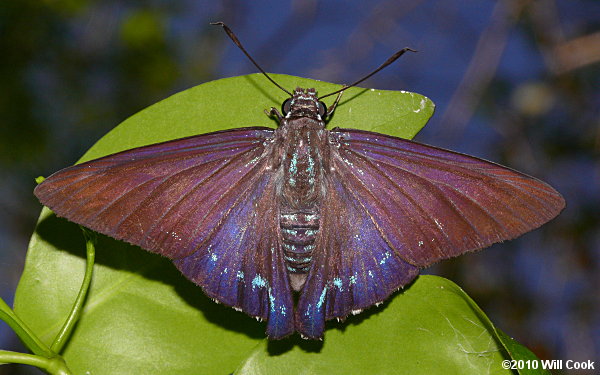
298, 231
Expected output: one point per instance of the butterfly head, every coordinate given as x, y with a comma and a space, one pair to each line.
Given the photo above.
304, 103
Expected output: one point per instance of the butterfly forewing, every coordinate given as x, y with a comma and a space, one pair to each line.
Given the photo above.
160, 197
432, 204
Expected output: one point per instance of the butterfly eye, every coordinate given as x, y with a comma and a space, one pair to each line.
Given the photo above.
322, 109
286, 106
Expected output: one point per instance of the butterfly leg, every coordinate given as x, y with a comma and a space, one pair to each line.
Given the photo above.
331, 109
274, 112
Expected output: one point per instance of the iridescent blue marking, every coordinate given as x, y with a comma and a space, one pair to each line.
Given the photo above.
387, 255
282, 308
293, 232
271, 300
307, 313
338, 282
258, 282
253, 161
291, 217
211, 261
311, 164
321, 298
240, 275
311, 170
293, 169
297, 260
352, 280
311, 217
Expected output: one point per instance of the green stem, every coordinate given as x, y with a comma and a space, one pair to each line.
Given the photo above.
23, 331
65, 332
55, 365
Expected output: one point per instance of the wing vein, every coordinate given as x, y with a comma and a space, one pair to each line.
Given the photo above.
193, 188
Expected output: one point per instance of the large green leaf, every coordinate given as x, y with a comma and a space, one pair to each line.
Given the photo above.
433, 327
240, 102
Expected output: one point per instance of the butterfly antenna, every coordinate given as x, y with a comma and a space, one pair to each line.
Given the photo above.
393, 58
239, 44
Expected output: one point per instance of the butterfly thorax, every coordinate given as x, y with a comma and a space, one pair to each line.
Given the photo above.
302, 186
302, 164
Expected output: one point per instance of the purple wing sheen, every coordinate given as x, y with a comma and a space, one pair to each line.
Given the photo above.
181, 198
166, 197
241, 264
394, 206
353, 266
430, 204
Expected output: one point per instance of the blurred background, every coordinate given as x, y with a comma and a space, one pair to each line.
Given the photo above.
514, 81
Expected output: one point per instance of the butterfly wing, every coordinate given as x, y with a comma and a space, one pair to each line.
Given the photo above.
353, 265
242, 263
411, 205
195, 199
433, 204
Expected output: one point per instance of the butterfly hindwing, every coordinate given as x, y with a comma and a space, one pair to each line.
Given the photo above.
241, 263
353, 267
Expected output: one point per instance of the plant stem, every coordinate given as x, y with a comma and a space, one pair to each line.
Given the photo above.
54, 365
22, 330
65, 332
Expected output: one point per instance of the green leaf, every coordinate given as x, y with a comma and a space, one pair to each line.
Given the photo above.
240, 102
141, 315
518, 352
432, 327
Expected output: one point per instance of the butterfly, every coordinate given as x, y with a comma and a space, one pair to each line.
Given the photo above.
300, 224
